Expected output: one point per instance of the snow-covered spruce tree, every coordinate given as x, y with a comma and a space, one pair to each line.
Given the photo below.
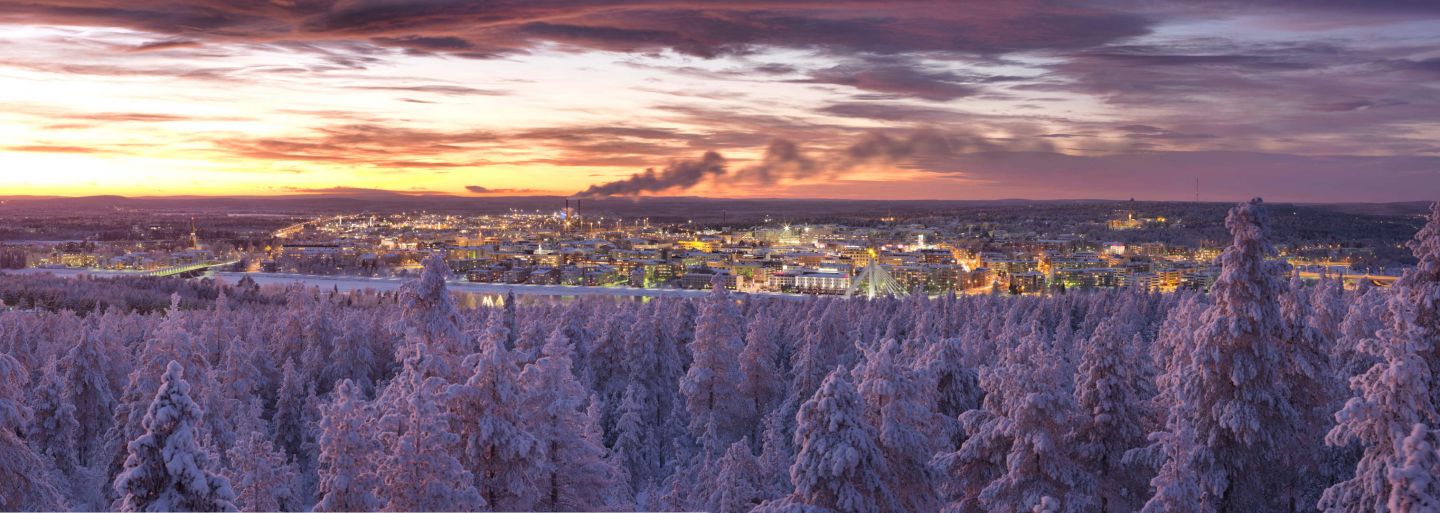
89, 390
655, 364
1395, 393
636, 442
222, 428
738, 485
503, 458
1178, 487
776, 456
824, 345
1034, 410
575, 474
421, 472
1316, 392
712, 386
1328, 309
956, 386
495, 331
763, 380
1368, 314
318, 337
53, 428
1109, 390
839, 466
1236, 382
509, 321
1421, 287
603, 368
1414, 481
1391, 396
26, 480
428, 316
289, 417
171, 341
896, 403
166, 469
352, 357
348, 452
261, 477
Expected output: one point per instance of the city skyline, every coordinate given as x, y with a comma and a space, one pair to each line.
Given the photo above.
1294, 101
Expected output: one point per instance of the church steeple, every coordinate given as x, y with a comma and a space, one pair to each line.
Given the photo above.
194, 237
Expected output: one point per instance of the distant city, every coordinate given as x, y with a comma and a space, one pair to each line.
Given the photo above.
1022, 248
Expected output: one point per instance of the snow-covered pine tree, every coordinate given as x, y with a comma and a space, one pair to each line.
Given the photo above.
170, 341
26, 482
292, 431
1178, 487
738, 485
1367, 315
428, 316
1233, 387
509, 320
896, 403
352, 357
763, 380
839, 466
712, 386
420, 471
1109, 391
348, 452
1036, 412
825, 344
261, 477
54, 429
956, 386
776, 456
636, 442
575, 474
654, 364
166, 469
88, 388
1414, 481
1420, 286
495, 446
1394, 394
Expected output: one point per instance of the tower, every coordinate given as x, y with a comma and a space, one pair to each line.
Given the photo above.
194, 237
572, 209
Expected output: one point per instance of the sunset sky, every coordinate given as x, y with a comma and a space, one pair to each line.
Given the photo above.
1320, 100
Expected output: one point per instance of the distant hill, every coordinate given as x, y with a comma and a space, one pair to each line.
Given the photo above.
658, 208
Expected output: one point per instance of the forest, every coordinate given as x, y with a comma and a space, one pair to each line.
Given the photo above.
1264, 394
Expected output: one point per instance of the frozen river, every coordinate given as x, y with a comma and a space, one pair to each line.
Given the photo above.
352, 283
355, 283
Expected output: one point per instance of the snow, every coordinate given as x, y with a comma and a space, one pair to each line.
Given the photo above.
352, 284
718, 401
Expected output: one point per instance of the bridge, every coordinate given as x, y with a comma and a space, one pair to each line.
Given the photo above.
874, 281
1351, 280
293, 229
188, 270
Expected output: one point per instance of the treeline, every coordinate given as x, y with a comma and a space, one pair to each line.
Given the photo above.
1264, 395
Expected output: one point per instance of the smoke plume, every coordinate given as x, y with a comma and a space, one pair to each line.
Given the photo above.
783, 160
680, 174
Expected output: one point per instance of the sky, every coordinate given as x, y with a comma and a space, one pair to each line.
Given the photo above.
1315, 100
